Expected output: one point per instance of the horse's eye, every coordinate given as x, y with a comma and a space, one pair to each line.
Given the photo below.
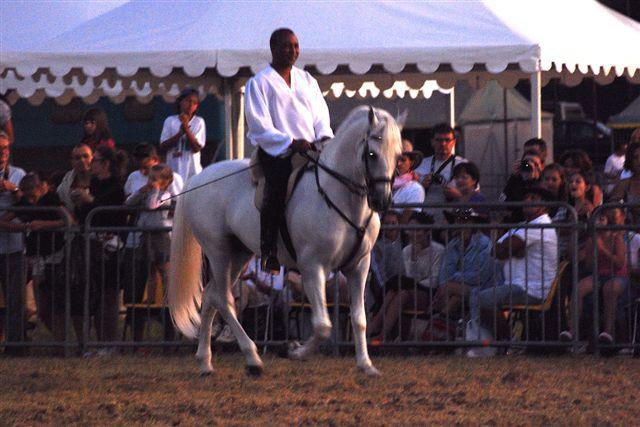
376, 137
372, 155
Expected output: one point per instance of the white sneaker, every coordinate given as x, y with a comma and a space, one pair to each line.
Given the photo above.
226, 336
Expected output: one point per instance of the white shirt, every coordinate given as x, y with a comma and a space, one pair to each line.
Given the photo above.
632, 240
535, 272
426, 267
411, 192
135, 181
614, 164
277, 114
179, 157
10, 242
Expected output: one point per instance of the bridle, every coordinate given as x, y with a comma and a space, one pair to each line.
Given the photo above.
354, 187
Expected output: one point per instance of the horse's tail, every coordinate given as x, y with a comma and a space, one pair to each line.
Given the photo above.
184, 292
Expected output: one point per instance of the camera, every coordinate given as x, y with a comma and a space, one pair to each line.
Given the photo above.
437, 179
525, 166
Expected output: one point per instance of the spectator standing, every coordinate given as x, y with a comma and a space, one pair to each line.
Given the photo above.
436, 172
78, 178
6, 122
151, 250
145, 157
12, 267
406, 188
45, 251
96, 131
184, 136
105, 190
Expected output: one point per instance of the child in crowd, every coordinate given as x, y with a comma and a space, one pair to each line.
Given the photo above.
96, 130
579, 161
155, 195
44, 249
612, 274
184, 136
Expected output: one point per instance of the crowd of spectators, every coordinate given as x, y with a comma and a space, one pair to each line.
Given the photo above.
447, 264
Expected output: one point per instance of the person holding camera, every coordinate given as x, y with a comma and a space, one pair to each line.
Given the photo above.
436, 172
528, 174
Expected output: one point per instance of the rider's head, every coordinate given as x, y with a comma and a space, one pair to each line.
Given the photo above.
284, 48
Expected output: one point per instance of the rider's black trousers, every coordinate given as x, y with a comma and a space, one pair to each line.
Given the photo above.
276, 172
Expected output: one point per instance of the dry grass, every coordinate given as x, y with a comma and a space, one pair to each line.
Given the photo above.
414, 390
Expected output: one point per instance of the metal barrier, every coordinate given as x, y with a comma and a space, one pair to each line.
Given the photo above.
111, 303
37, 254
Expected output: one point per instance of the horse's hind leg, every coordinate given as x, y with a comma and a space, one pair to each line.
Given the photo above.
225, 270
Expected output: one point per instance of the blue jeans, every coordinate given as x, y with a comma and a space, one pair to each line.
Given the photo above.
497, 296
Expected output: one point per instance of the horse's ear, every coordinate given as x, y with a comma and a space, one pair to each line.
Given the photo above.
401, 118
373, 120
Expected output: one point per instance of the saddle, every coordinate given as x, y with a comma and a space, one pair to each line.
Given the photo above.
299, 165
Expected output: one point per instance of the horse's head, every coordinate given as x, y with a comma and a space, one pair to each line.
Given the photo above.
379, 151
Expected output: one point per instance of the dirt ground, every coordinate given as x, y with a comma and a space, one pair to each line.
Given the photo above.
157, 390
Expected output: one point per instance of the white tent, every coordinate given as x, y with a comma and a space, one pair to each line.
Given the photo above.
627, 118
485, 121
145, 48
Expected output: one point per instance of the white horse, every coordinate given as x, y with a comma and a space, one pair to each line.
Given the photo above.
356, 172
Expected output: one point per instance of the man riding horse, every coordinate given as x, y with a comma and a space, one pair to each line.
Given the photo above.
285, 113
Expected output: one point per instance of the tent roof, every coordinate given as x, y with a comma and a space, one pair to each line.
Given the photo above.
486, 105
629, 117
144, 47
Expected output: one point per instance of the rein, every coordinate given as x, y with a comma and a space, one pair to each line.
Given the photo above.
355, 188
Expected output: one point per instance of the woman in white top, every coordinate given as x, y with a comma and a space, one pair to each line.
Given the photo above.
184, 136
406, 188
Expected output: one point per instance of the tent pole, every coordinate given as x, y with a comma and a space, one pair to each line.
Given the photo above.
506, 132
228, 119
452, 107
239, 151
536, 105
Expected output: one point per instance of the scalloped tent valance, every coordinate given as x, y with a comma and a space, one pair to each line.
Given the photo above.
145, 48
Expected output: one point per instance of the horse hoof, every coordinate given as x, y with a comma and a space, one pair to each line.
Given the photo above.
296, 351
254, 371
205, 374
371, 371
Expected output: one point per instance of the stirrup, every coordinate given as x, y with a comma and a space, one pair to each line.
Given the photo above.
270, 265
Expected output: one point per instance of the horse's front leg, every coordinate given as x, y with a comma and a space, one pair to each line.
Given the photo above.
313, 281
357, 278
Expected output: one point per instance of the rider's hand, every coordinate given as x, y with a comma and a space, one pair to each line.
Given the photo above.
300, 146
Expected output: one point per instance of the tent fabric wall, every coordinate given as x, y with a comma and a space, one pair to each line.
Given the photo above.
484, 145
627, 118
483, 131
145, 48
